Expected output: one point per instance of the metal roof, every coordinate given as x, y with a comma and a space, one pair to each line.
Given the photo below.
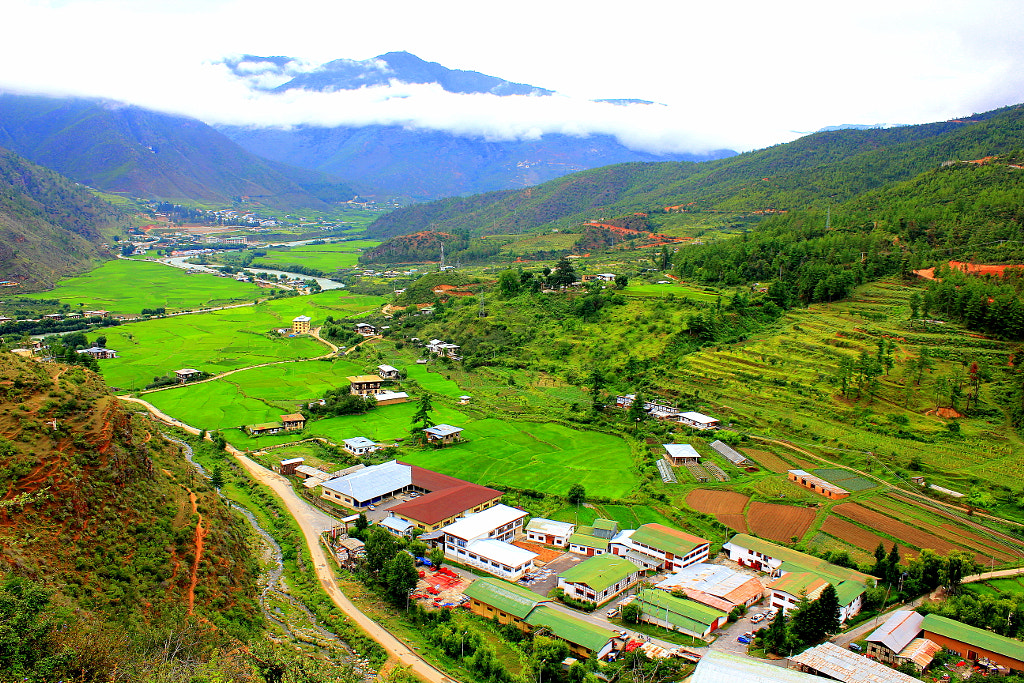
387, 368
570, 628
698, 417
442, 430
728, 452
814, 479
587, 541
920, 651
681, 450
358, 442
689, 613
970, 635
301, 319
839, 663
397, 523
390, 395
714, 579
502, 595
500, 552
371, 482
666, 539
550, 526
482, 523
600, 571
721, 667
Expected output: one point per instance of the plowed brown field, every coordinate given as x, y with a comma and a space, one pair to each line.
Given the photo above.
726, 506
904, 532
862, 538
779, 522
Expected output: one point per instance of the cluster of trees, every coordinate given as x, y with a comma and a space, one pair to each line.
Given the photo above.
992, 306
341, 402
806, 624
64, 349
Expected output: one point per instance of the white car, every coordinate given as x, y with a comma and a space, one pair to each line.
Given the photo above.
758, 618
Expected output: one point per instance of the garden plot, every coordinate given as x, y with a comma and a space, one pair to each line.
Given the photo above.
781, 523
769, 461
848, 532
907, 534
845, 479
726, 506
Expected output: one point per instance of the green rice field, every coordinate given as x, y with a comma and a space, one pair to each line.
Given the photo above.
325, 257
644, 289
126, 287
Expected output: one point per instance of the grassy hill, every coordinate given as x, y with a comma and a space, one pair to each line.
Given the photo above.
50, 227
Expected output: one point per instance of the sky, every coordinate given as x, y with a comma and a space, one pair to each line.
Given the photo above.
739, 75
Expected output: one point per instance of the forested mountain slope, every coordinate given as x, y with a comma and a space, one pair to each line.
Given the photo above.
819, 169
50, 227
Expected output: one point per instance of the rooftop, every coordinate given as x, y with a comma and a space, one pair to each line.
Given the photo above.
798, 561
445, 502
293, 417
666, 539
799, 583
681, 450
390, 395
570, 628
698, 417
550, 526
585, 540
680, 612
371, 482
301, 319
980, 638
357, 379
498, 551
387, 368
359, 442
842, 665
600, 571
442, 430
721, 667
728, 452
482, 523
502, 595
814, 479
714, 579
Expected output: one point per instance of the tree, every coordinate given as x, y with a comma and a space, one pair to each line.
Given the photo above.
577, 495
828, 610
421, 418
400, 576
436, 557
631, 613
101, 341
664, 261
381, 546
217, 477
915, 304
621, 281
880, 557
773, 638
892, 565
509, 283
362, 523
564, 274
636, 412
958, 564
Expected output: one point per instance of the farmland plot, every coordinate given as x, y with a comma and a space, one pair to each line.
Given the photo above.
767, 460
857, 536
906, 533
726, 506
781, 523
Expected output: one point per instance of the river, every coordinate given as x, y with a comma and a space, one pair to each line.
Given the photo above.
180, 262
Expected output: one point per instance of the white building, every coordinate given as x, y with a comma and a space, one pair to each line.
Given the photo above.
484, 540
549, 532
360, 445
656, 546
698, 420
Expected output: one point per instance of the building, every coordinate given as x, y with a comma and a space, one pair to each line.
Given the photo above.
549, 532
386, 398
443, 434
484, 540
896, 641
293, 421
439, 500
698, 421
787, 590
99, 353
716, 666
389, 372
288, 466
730, 454
777, 561
502, 601
838, 663
656, 546
300, 324
444, 349
714, 585
364, 385
262, 428
817, 484
680, 453
369, 485
187, 374
396, 526
583, 638
593, 540
974, 644
360, 445
679, 614
600, 578
365, 329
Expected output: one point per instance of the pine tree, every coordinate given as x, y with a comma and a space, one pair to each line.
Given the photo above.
828, 611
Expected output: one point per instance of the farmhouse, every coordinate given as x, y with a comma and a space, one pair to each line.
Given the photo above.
365, 329
187, 374
386, 398
679, 614
445, 500
593, 540
896, 641
261, 428
974, 644
313, 476
444, 349
389, 372
99, 353
549, 532
698, 421
817, 484
600, 277
360, 445
364, 385
714, 585
300, 324
655, 546
598, 579
680, 453
838, 663
662, 411
288, 466
443, 434
730, 454
483, 540
293, 421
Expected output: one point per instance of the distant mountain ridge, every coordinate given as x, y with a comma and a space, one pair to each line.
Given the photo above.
127, 149
419, 163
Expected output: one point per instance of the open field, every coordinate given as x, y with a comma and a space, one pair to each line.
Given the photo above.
325, 257
726, 506
859, 537
907, 534
640, 288
780, 523
1008, 587
822, 542
126, 287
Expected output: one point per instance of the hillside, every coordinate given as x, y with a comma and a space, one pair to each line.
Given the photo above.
825, 167
127, 149
106, 513
50, 227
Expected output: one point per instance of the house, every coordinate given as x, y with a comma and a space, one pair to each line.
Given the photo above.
679, 614
502, 601
364, 385
484, 540
365, 329
897, 641
99, 353
293, 421
360, 445
787, 590
593, 540
698, 421
386, 398
443, 434
974, 644
778, 561
715, 585
600, 578
288, 466
389, 372
680, 453
444, 349
817, 484
187, 374
300, 324
716, 666
730, 454
656, 546
839, 664
262, 428
600, 277
397, 526
549, 532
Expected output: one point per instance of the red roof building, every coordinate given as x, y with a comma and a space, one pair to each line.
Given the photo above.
446, 499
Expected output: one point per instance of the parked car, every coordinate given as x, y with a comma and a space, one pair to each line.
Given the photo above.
855, 647
745, 639
613, 612
758, 618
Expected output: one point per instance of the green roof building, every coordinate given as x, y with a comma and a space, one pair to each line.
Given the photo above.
599, 578
679, 614
501, 600
583, 637
974, 644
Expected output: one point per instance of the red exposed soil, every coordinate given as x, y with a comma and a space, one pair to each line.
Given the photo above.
190, 596
779, 523
717, 502
906, 533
